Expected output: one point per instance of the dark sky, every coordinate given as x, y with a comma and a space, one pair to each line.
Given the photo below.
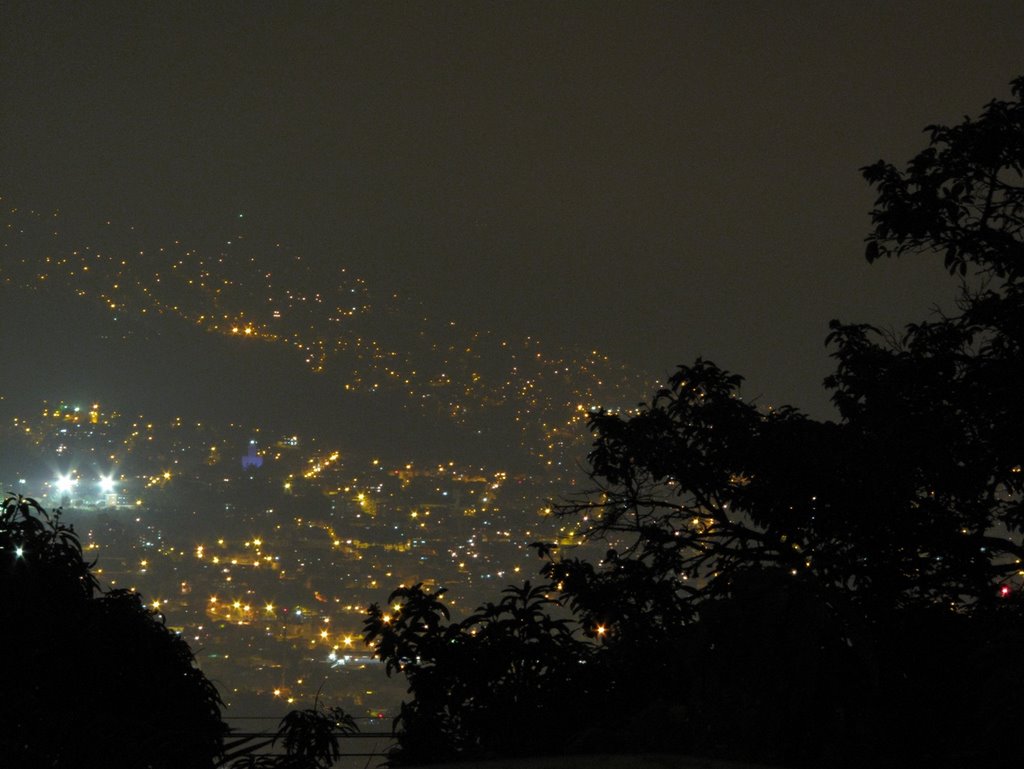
658, 180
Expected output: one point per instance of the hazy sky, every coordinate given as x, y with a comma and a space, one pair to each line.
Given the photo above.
658, 180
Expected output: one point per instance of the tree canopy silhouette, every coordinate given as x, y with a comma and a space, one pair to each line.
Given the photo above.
481, 686
90, 678
800, 591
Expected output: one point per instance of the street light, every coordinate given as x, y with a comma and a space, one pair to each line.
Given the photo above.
106, 484
66, 483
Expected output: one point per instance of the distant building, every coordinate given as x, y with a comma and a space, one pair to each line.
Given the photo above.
252, 460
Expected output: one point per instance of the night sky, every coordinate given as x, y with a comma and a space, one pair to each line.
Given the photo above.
655, 180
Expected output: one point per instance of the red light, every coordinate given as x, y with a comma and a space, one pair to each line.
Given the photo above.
1004, 591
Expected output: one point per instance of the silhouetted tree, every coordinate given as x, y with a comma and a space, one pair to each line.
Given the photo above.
310, 738
504, 681
787, 589
722, 596
904, 514
90, 678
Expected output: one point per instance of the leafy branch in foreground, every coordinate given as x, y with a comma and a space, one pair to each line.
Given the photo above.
493, 684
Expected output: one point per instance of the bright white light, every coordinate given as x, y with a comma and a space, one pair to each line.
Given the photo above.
19, 551
106, 484
66, 484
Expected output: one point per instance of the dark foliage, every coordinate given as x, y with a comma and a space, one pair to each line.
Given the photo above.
310, 738
779, 588
90, 679
501, 682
